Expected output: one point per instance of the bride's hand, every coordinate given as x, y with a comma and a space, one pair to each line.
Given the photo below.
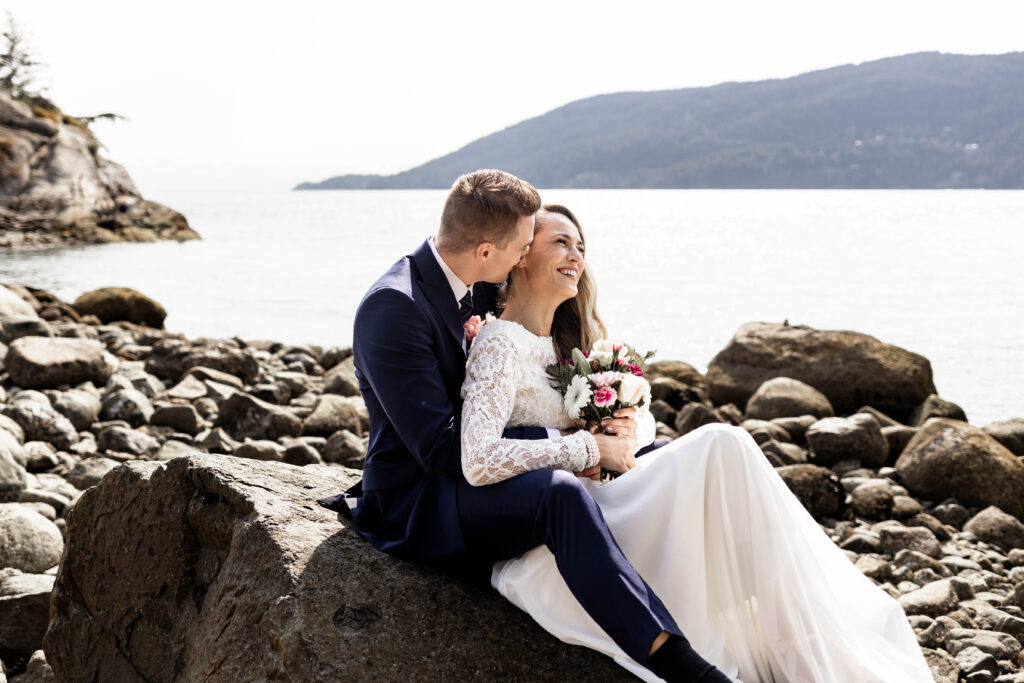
616, 452
592, 473
623, 424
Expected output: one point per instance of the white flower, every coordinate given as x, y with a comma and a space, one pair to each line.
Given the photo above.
605, 345
577, 396
604, 379
633, 389
605, 358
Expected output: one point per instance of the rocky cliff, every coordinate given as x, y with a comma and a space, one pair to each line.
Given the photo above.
55, 188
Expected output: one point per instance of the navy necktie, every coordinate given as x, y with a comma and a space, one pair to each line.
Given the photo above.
466, 307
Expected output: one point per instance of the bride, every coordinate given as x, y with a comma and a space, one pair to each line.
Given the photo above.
757, 587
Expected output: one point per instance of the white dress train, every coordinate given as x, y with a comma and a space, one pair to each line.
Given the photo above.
751, 579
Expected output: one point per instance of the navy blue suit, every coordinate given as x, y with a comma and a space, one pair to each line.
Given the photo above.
414, 501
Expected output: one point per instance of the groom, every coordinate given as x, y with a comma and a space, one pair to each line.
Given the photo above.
410, 356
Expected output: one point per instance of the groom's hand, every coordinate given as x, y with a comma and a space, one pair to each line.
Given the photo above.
593, 473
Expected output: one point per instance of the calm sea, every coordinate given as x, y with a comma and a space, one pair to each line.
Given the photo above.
937, 272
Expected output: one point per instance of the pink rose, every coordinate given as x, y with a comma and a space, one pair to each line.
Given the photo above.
472, 327
604, 396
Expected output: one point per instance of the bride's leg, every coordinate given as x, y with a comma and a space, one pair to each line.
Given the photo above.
794, 598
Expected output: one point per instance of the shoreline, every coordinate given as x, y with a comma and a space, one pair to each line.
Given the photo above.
80, 396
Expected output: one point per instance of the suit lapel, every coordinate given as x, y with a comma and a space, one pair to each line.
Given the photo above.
439, 292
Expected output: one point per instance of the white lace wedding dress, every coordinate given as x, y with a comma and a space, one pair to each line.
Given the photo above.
751, 579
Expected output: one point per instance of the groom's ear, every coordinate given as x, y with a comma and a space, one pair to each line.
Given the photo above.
483, 250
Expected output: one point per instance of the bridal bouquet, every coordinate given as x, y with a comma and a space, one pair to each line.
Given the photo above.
594, 385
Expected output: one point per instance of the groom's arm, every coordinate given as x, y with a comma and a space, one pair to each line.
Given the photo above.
395, 351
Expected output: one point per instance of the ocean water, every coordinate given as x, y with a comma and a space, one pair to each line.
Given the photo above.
937, 272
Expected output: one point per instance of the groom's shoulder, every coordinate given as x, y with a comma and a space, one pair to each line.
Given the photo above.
396, 288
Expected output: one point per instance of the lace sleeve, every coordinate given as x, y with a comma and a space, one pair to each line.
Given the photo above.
489, 395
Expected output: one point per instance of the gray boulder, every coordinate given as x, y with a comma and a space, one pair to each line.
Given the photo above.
17, 326
129, 405
12, 478
787, 397
935, 599
858, 437
952, 459
89, 472
181, 418
212, 555
12, 304
243, 416
817, 488
111, 304
81, 408
850, 368
120, 438
1010, 433
331, 413
695, 415
50, 362
39, 421
24, 613
992, 525
28, 541
933, 406
341, 379
345, 448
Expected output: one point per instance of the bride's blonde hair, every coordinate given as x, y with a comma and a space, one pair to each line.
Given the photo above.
576, 323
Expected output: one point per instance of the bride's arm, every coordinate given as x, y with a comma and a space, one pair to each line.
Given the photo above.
488, 397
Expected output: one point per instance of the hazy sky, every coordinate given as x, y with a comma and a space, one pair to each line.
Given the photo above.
265, 95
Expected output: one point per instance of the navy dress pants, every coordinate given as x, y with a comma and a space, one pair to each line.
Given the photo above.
551, 507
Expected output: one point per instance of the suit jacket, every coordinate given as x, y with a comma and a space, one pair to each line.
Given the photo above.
410, 362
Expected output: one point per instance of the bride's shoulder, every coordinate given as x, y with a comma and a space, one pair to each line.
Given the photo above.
497, 329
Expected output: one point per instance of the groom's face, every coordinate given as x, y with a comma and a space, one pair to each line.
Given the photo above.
501, 261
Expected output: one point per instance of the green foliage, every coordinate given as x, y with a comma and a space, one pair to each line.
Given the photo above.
19, 67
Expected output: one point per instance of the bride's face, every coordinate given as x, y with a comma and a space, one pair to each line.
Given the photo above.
554, 263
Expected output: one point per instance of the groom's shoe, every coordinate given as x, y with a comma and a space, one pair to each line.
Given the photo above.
677, 662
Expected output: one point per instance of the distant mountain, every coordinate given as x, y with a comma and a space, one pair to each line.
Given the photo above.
925, 120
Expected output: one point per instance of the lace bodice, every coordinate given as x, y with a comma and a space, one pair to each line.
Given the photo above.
506, 386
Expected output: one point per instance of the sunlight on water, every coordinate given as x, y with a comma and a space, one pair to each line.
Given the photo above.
936, 272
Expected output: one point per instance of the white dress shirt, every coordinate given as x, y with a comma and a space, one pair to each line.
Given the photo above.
459, 289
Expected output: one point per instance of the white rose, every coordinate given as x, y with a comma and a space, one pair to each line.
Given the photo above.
633, 389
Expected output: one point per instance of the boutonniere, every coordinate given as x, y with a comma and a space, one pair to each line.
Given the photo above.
472, 327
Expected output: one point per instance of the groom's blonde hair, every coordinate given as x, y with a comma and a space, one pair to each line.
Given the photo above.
484, 206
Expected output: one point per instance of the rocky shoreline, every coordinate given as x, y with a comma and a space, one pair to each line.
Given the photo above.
182, 472
56, 189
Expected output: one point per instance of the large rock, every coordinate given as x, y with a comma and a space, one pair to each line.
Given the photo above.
57, 189
170, 359
787, 397
341, 379
332, 413
12, 304
850, 368
28, 541
933, 406
226, 569
49, 362
817, 488
992, 525
952, 459
857, 437
1010, 433
80, 407
39, 421
12, 477
24, 612
111, 304
243, 416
